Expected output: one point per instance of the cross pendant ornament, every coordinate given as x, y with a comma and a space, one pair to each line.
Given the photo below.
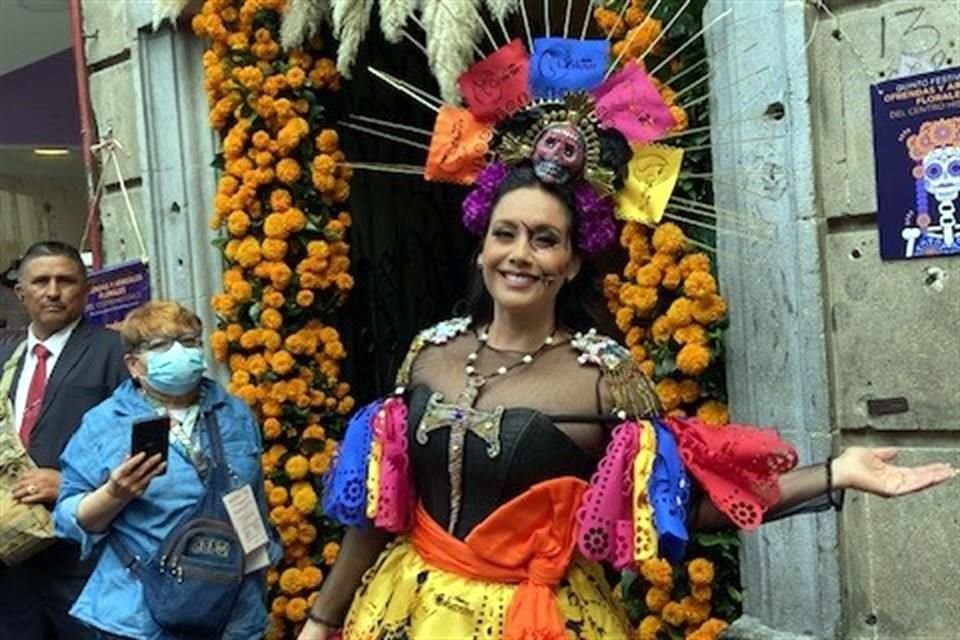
459, 419
468, 397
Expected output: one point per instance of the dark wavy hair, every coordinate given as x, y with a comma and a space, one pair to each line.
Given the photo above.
580, 302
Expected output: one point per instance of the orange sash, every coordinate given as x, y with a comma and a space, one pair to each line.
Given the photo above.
529, 540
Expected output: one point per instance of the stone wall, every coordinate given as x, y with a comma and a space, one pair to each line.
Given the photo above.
820, 326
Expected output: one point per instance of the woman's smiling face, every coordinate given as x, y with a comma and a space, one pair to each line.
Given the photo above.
528, 253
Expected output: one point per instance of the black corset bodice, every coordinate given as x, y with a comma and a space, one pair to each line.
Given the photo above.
532, 450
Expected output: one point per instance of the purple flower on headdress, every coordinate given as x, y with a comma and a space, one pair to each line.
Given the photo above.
594, 215
595, 227
478, 205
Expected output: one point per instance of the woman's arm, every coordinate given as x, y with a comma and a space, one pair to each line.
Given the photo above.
128, 481
359, 551
861, 468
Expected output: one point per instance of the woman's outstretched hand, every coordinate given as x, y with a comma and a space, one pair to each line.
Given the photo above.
871, 470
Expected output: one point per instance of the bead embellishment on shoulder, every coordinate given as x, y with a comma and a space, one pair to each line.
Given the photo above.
445, 331
598, 349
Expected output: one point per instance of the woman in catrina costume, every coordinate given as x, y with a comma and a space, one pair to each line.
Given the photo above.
521, 447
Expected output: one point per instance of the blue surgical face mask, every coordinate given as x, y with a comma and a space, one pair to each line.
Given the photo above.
176, 371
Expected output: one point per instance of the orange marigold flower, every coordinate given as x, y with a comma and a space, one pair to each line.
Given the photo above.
281, 362
694, 262
280, 200
234, 331
695, 611
690, 334
345, 406
656, 598
223, 305
609, 21
658, 572
305, 298
271, 339
297, 609
279, 605
296, 467
701, 571
305, 501
219, 340
312, 577
698, 285
673, 613
277, 497
257, 365
648, 367
693, 359
271, 319
648, 275
660, 330
671, 278
680, 313
714, 626
288, 171
634, 337
271, 429
306, 533
328, 141
668, 390
669, 238
714, 412
649, 628
290, 581
702, 593
294, 220
344, 281
273, 248
689, 390
709, 309
624, 318
330, 552
296, 77
663, 260
241, 291
274, 226
319, 464
638, 353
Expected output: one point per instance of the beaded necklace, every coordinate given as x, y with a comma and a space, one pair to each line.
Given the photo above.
476, 381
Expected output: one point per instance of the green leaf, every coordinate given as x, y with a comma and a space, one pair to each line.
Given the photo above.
254, 312
312, 445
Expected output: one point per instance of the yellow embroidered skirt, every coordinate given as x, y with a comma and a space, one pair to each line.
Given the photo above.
402, 597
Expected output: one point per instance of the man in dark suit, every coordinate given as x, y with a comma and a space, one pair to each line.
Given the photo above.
68, 367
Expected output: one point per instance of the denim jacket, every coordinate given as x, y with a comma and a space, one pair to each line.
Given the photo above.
112, 599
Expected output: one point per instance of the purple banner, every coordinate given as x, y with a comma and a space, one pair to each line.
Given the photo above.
916, 141
114, 291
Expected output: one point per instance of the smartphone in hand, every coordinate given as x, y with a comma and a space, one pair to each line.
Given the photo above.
151, 435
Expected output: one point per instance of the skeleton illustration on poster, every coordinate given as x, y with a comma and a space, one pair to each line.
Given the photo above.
916, 141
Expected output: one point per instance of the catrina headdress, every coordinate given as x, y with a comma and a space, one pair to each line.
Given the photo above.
555, 103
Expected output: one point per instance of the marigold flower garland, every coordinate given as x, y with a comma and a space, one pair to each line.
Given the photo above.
279, 201
668, 306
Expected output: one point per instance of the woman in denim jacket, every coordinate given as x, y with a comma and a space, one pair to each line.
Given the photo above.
106, 492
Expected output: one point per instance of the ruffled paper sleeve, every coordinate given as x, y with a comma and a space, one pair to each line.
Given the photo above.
371, 479
737, 466
345, 487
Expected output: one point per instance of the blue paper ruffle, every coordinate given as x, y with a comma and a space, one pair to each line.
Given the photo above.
669, 491
345, 487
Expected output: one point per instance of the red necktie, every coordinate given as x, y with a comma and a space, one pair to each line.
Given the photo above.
38, 383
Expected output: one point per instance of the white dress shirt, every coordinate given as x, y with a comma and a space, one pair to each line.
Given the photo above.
54, 344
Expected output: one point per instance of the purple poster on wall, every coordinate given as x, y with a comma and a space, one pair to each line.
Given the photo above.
916, 142
114, 291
